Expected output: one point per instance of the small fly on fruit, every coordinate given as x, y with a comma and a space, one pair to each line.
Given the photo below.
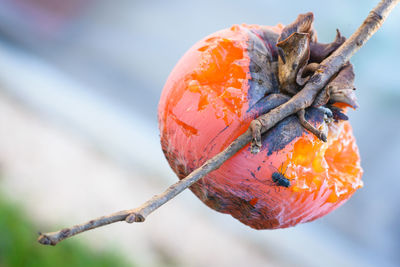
279, 178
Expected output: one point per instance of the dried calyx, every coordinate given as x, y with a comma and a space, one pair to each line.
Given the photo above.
285, 69
299, 57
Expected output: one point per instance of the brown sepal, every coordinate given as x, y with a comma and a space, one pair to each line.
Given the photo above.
305, 73
319, 51
302, 24
338, 114
296, 51
341, 88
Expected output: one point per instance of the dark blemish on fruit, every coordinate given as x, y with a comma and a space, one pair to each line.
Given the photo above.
262, 53
288, 129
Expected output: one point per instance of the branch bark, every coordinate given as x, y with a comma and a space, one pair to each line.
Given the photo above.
303, 99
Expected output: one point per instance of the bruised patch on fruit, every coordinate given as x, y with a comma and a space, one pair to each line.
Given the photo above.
288, 129
225, 200
281, 134
263, 66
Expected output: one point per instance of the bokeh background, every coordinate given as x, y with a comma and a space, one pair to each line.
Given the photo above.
79, 87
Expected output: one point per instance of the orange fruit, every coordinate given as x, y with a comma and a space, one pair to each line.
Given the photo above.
210, 98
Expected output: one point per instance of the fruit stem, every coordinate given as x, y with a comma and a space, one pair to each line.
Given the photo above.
303, 99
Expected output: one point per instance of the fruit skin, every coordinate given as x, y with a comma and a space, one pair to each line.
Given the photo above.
216, 89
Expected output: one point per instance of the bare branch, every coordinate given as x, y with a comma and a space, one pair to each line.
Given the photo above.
303, 99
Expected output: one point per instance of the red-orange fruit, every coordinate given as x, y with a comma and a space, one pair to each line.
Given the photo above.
210, 98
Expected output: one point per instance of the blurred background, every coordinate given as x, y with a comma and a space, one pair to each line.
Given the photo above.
80, 82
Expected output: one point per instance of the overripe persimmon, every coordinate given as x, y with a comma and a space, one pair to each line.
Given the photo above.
217, 88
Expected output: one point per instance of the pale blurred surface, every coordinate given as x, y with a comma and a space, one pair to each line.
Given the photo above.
79, 86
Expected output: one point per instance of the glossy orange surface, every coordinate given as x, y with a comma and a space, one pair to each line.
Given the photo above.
204, 107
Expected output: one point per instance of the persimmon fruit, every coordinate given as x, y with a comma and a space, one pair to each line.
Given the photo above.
210, 98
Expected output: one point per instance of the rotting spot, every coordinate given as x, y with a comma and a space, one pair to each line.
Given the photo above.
221, 74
